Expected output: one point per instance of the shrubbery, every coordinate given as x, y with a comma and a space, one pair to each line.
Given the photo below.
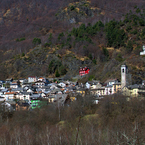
21, 39
115, 120
36, 41
116, 37
55, 66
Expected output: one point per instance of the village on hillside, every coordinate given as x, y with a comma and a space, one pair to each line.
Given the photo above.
35, 92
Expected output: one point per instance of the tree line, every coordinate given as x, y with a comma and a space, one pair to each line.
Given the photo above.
115, 120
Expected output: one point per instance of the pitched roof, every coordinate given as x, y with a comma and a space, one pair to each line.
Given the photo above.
8, 93
32, 77
41, 78
135, 86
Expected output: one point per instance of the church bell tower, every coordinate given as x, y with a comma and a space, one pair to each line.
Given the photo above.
124, 72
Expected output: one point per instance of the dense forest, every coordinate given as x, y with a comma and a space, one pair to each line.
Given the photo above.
54, 39
115, 120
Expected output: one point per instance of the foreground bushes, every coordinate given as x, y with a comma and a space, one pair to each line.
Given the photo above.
115, 120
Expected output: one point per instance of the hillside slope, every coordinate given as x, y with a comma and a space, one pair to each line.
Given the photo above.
50, 37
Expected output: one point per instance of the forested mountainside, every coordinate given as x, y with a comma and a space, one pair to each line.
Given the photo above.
56, 38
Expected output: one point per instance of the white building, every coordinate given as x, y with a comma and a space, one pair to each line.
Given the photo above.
109, 90
23, 96
88, 85
143, 52
39, 84
32, 79
13, 85
62, 84
9, 95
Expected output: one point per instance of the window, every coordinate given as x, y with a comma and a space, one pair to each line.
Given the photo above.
123, 70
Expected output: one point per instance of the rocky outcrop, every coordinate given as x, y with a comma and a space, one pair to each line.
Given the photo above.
77, 11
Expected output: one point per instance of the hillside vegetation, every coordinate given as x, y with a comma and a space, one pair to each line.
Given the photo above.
115, 120
55, 39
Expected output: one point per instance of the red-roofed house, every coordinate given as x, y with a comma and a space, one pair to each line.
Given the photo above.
84, 71
42, 79
9, 95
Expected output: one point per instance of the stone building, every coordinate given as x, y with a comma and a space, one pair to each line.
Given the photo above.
125, 76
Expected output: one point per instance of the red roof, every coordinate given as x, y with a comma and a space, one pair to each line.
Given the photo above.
84, 71
8, 93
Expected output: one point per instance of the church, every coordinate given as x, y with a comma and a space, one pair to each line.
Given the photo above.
135, 90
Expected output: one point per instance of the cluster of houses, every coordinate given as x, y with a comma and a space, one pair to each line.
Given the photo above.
30, 93
37, 91
113, 86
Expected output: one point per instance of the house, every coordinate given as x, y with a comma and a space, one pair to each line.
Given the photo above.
43, 95
10, 95
59, 92
22, 81
143, 82
14, 84
88, 85
39, 84
141, 91
8, 80
83, 71
95, 85
2, 88
1, 83
55, 91
110, 82
23, 96
51, 98
27, 85
126, 91
62, 85
3, 91
37, 103
134, 90
98, 92
53, 86
2, 99
32, 79
42, 79
109, 90
73, 98
45, 89
143, 52
112, 86
58, 99
30, 90
81, 91
35, 96
116, 87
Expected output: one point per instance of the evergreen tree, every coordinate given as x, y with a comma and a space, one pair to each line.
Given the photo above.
57, 73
